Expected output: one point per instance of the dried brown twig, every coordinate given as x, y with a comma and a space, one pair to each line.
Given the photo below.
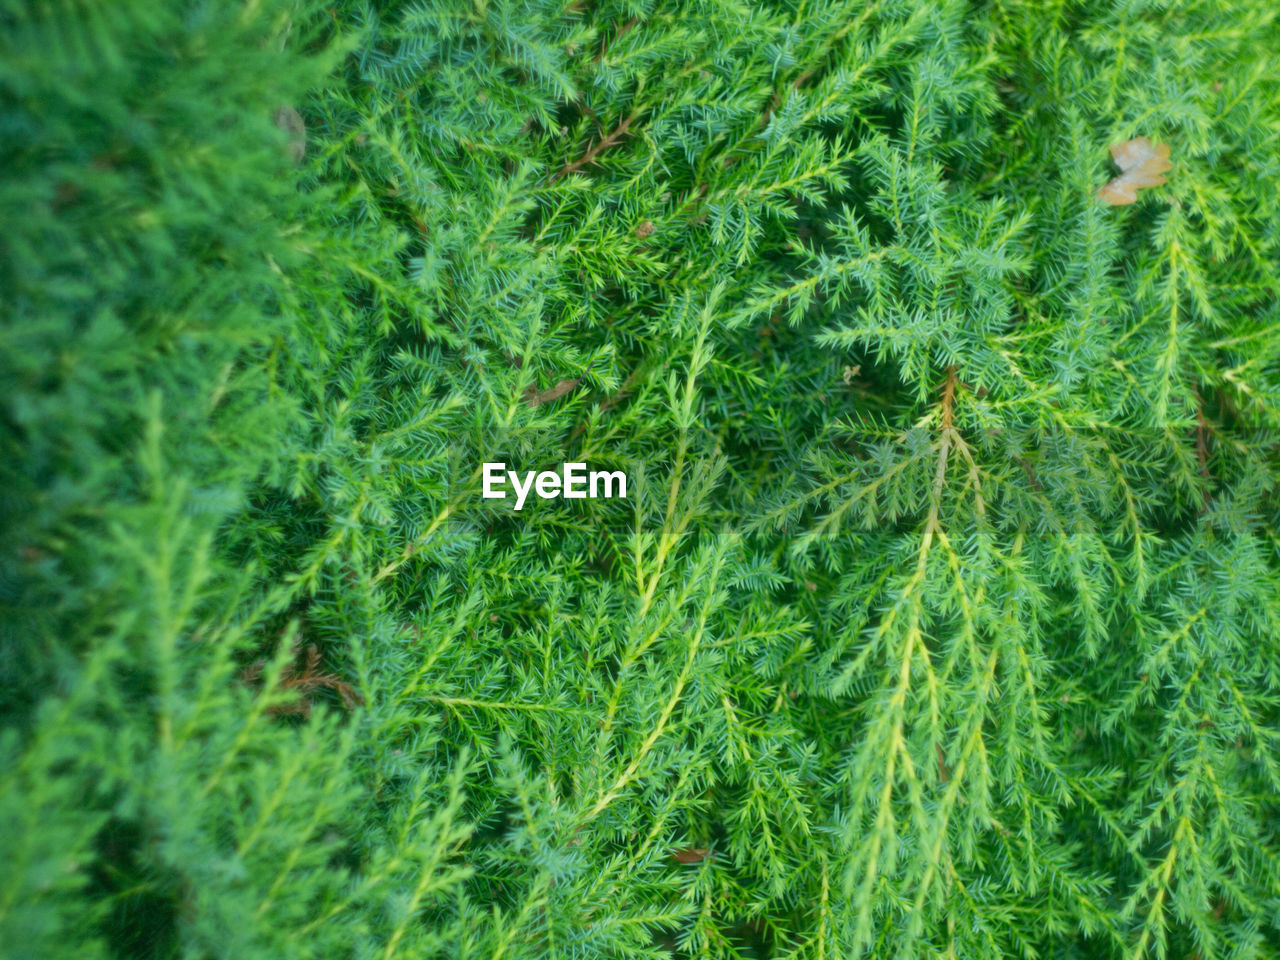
305, 681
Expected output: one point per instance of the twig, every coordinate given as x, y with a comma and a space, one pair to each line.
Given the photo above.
609, 141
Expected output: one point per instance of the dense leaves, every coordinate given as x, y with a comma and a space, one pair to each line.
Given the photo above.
942, 616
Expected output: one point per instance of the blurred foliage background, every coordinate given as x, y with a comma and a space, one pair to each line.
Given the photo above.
942, 616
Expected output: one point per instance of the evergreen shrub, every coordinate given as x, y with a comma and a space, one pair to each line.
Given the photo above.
941, 617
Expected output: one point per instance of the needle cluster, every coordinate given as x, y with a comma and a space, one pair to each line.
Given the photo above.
941, 614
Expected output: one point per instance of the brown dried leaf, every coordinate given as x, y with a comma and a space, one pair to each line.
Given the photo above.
692, 854
533, 397
1141, 163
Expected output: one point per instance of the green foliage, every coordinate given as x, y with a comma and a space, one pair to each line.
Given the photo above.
942, 616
